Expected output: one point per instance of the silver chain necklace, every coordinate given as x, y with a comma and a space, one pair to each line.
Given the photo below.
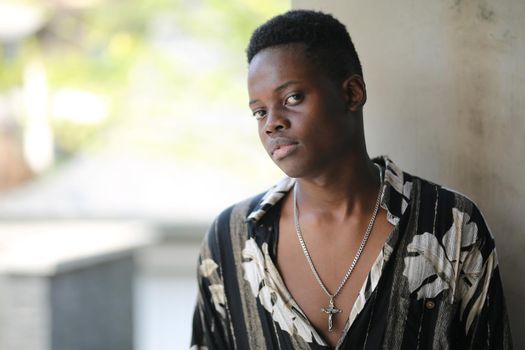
331, 310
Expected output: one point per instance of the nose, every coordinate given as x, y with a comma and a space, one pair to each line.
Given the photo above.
275, 121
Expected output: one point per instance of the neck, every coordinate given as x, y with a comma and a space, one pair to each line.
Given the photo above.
349, 190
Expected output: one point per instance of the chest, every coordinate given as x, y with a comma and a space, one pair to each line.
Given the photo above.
332, 249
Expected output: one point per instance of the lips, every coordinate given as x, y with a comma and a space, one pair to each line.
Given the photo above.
281, 147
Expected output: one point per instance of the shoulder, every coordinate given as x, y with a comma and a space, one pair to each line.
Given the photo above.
238, 212
425, 192
437, 209
453, 214
449, 200
232, 221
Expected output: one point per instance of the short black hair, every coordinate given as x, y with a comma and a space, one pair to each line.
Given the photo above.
327, 42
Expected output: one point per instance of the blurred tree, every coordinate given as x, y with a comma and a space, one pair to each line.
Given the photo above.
162, 69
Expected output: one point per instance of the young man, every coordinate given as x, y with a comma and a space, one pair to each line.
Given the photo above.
346, 252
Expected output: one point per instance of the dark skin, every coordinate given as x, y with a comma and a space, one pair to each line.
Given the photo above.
312, 127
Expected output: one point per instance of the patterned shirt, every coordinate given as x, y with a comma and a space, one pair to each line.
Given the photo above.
434, 285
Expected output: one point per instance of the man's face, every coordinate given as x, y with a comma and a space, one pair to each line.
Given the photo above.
302, 113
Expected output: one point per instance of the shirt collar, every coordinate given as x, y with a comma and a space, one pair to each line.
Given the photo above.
395, 195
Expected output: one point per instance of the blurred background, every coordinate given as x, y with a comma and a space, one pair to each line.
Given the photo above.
124, 129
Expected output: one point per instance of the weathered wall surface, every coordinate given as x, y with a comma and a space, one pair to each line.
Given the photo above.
446, 100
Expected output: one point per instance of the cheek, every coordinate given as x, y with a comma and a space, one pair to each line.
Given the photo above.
327, 134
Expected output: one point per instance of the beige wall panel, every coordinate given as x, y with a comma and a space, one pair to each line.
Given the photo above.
446, 100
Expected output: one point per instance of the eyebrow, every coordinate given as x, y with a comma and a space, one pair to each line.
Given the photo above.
279, 88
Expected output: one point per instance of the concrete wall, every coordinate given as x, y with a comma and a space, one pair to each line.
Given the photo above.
446, 100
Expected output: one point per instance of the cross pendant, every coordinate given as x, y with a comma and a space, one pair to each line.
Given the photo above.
331, 310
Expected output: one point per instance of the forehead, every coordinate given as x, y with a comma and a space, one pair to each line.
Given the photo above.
274, 66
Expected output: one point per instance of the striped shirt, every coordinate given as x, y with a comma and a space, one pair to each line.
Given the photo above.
434, 285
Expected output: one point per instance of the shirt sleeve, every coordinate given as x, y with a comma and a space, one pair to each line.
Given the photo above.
483, 311
210, 330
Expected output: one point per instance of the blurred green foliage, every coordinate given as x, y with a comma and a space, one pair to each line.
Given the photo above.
168, 67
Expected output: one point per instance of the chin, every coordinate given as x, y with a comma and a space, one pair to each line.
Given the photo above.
291, 170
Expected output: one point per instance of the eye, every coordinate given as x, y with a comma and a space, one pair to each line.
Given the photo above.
293, 99
259, 114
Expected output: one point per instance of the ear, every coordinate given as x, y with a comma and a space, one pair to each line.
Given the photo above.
355, 92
